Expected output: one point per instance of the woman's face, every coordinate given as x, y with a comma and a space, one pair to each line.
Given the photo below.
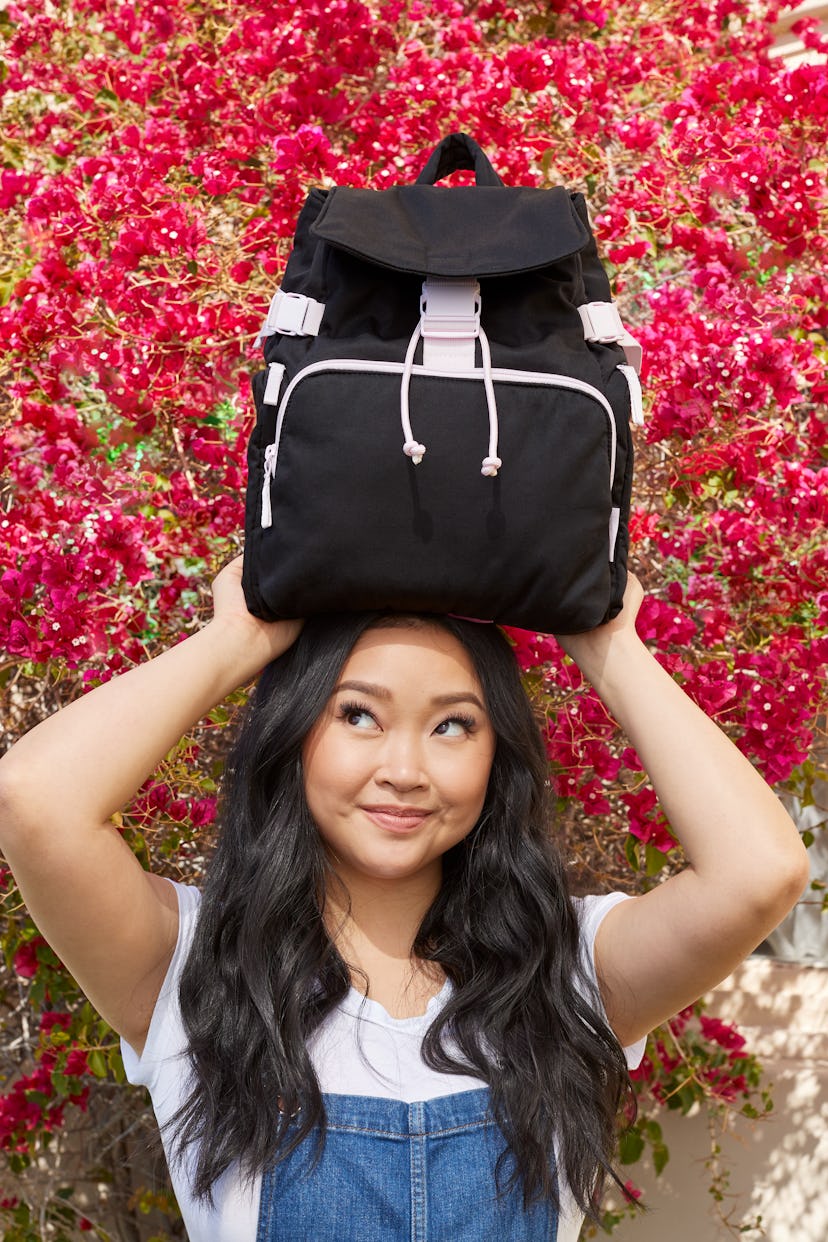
396, 767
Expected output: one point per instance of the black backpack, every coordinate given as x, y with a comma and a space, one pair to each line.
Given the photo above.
443, 422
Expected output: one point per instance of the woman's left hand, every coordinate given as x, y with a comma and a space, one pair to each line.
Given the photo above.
591, 649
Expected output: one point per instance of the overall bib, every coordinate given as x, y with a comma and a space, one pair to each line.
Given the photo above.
397, 1172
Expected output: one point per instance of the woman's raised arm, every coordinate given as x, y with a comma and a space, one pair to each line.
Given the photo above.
113, 924
746, 864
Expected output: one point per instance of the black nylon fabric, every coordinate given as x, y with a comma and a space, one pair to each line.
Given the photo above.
435, 231
355, 524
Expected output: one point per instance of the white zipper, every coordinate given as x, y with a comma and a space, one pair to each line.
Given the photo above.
499, 374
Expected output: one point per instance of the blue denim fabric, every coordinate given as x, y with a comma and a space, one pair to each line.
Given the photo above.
397, 1172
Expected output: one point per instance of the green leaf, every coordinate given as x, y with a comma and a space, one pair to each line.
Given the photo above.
660, 1157
654, 859
87, 1014
116, 1065
546, 161
60, 1083
630, 1147
631, 851
97, 1063
686, 1097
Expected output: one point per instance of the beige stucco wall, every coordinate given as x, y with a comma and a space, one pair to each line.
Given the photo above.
788, 45
779, 1165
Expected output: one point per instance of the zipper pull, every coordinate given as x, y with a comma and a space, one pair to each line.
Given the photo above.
636, 396
275, 375
269, 471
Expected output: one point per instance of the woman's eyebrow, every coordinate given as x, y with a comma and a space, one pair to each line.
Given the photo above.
439, 700
467, 696
364, 687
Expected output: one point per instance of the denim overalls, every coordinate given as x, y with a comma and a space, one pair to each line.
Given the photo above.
397, 1172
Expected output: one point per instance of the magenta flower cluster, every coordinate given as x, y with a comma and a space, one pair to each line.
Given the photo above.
155, 156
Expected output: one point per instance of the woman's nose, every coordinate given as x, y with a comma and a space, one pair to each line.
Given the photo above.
401, 764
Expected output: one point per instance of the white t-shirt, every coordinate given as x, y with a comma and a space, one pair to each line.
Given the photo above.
358, 1050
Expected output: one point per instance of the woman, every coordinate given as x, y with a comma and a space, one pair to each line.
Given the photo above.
385, 953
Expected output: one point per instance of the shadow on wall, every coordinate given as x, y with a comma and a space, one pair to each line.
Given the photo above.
793, 1194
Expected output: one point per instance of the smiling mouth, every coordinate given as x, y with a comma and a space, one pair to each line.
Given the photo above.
396, 818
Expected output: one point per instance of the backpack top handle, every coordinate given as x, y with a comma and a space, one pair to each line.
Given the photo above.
455, 152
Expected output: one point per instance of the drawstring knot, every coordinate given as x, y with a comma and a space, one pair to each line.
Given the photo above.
414, 450
412, 447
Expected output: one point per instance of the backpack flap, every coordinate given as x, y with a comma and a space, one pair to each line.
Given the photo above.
522, 244
462, 231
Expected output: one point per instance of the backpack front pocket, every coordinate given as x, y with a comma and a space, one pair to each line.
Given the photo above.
340, 502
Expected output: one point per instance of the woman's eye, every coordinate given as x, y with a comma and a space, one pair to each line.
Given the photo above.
457, 726
358, 717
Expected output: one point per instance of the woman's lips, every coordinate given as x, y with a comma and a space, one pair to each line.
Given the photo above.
396, 819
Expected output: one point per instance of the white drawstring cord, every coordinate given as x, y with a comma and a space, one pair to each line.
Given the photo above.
411, 447
492, 463
416, 451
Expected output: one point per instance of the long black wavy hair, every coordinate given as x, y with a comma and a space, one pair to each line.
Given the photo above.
263, 973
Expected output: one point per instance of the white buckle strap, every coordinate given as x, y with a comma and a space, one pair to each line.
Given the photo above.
636, 397
633, 351
603, 325
275, 375
601, 321
292, 314
449, 323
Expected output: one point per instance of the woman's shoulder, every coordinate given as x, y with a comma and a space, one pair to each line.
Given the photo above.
189, 898
592, 908
591, 911
165, 1036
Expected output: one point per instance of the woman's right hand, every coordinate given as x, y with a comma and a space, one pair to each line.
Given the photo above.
257, 642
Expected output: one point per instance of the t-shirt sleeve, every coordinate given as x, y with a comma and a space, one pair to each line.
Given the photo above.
591, 913
165, 1038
